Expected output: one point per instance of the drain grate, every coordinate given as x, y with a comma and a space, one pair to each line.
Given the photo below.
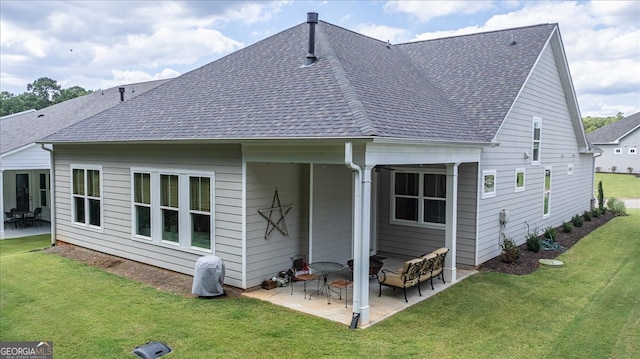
152, 350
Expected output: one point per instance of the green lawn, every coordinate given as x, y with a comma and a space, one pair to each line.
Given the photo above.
618, 185
589, 308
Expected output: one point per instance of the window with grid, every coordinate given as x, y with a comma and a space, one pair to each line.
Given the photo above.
536, 140
86, 196
418, 198
142, 203
173, 208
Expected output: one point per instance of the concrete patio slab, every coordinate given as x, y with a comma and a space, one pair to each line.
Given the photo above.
390, 303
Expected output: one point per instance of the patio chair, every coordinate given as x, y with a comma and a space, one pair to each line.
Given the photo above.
10, 220
342, 284
405, 277
37, 215
300, 273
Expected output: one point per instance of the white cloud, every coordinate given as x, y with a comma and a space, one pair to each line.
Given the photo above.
384, 33
603, 59
427, 10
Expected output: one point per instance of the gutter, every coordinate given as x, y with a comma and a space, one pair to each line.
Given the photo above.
52, 193
348, 161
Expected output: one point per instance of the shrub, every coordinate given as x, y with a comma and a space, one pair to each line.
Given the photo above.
533, 240
550, 233
630, 170
613, 169
533, 243
510, 251
600, 197
598, 169
567, 227
595, 213
587, 216
577, 221
617, 207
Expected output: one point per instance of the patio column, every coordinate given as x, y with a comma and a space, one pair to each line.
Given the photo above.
361, 275
451, 222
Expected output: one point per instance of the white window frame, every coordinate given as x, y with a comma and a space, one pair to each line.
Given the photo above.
421, 198
570, 169
546, 193
633, 151
617, 151
535, 160
524, 180
44, 191
184, 209
486, 191
86, 224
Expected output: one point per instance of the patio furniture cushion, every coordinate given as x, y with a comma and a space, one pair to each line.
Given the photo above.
405, 277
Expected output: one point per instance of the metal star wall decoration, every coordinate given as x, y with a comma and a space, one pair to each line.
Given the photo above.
281, 223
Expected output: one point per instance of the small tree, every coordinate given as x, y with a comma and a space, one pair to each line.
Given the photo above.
600, 197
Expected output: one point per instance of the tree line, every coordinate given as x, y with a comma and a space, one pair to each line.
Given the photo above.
45, 92
41, 93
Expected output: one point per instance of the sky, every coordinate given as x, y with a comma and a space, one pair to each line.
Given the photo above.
101, 44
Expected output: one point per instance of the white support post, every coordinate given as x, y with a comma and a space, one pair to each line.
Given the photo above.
451, 222
365, 245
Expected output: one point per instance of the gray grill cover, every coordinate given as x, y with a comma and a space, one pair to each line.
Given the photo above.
208, 277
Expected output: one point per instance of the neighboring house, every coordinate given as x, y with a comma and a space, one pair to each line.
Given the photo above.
371, 148
25, 165
620, 145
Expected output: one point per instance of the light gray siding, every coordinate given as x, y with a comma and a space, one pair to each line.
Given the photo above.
623, 160
332, 213
541, 97
267, 256
412, 241
116, 234
330, 224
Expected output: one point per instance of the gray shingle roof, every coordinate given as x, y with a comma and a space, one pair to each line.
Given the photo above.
455, 89
25, 128
615, 131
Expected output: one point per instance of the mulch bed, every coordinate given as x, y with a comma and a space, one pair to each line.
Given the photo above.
528, 261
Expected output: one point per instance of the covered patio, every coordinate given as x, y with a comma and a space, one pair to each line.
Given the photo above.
390, 303
42, 227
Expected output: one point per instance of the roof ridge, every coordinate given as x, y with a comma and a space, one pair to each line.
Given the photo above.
478, 33
348, 92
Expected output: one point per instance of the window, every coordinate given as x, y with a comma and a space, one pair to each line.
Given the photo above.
43, 189
142, 203
618, 151
570, 169
418, 198
519, 179
86, 196
169, 207
488, 183
200, 210
537, 124
547, 191
632, 151
173, 209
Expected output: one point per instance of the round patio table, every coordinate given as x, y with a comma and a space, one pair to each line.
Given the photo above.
325, 268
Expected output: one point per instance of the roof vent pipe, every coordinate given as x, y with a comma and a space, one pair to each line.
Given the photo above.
312, 20
121, 89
